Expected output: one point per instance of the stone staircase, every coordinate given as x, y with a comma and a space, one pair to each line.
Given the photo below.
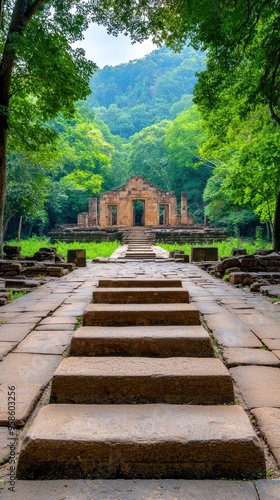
141, 396
139, 247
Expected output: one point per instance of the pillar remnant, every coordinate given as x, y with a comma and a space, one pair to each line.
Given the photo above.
83, 219
184, 208
92, 212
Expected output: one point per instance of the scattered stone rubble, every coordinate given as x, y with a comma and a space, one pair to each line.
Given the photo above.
19, 273
260, 271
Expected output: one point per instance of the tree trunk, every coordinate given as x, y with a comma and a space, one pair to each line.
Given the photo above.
17, 25
19, 228
3, 176
276, 225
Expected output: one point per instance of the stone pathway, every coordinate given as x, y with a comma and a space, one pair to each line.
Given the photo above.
38, 328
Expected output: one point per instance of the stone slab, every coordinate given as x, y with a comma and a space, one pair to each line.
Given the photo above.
10, 332
4, 445
140, 314
22, 399
140, 295
277, 353
143, 380
268, 489
5, 348
156, 341
257, 318
59, 327
269, 423
259, 385
230, 331
23, 368
123, 283
147, 441
273, 344
139, 489
50, 320
266, 332
246, 356
45, 342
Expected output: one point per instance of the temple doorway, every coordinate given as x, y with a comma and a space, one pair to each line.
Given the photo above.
138, 213
163, 215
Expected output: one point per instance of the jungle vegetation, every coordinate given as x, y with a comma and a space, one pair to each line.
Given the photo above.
200, 114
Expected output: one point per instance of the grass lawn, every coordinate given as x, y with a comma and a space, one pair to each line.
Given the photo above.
32, 245
224, 247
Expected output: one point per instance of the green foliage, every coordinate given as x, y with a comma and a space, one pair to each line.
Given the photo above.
32, 245
130, 97
224, 247
17, 295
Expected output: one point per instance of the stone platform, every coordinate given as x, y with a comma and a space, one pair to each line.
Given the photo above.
36, 331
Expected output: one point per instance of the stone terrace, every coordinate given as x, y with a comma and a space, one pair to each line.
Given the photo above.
37, 329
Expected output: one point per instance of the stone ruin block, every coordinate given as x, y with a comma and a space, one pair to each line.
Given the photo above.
200, 254
77, 257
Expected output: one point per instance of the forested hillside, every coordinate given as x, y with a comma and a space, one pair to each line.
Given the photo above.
132, 96
140, 120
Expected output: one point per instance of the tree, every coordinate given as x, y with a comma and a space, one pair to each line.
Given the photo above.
237, 35
38, 67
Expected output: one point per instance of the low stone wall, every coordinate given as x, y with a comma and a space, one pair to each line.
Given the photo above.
190, 234
176, 234
69, 235
257, 270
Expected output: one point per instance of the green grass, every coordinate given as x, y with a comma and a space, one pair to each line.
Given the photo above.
17, 295
32, 245
224, 247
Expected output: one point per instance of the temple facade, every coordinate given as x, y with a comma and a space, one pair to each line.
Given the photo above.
136, 203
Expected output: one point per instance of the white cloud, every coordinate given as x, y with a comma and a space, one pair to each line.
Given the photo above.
106, 49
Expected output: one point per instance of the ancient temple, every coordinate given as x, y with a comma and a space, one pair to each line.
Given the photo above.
136, 203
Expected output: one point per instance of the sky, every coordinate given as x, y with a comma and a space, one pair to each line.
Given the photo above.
106, 49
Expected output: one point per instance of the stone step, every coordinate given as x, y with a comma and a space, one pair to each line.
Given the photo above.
118, 380
140, 314
141, 441
144, 282
154, 341
140, 295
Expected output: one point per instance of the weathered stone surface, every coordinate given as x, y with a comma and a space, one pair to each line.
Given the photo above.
147, 441
247, 356
4, 445
57, 320
140, 314
55, 327
231, 332
269, 423
256, 318
22, 399
77, 257
200, 254
266, 331
272, 344
144, 282
22, 368
145, 380
5, 348
15, 333
45, 342
139, 489
157, 341
259, 385
268, 489
140, 295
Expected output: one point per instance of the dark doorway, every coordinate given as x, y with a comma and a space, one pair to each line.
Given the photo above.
139, 213
163, 215
113, 215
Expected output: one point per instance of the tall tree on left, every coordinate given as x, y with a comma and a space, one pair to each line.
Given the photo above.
40, 73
